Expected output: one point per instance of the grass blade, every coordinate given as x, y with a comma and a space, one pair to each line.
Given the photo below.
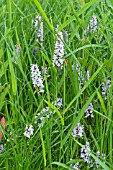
3, 68
43, 14
96, 159
102, 102
43, 148
57, 111
84, 47
2, 97
9, 12
62, 165
85, 86
80, 115
74, 12
79, 12
13, 78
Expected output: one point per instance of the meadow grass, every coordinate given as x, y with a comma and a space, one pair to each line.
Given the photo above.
69, 93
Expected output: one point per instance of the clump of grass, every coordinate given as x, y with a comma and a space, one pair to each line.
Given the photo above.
56, 85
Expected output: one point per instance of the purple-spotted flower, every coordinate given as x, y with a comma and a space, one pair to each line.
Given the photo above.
58, 50
66, 36
78, 130
89, 111
92, 26
40, 122
38, 23
78, 71
98, 156
44, 70
85, 154
58, 103
35, 51
81, 78
17, 48
28, 131
37, 78
1, 148
88, 75
105, 86
75, 166
46, 113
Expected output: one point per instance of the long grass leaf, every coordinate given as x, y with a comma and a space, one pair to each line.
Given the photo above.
9, 7
43, 14
103, 165
13, 77
74, 12
80, 115
86, 46
57, 111
101, 101
62, 165
79, 12
2, 97
85, 86
3, 68
43, 147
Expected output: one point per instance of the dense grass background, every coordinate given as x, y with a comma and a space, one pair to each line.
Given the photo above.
52, 146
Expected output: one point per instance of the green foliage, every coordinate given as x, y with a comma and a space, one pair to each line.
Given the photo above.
52, 146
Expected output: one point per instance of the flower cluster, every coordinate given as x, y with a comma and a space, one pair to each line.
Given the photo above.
41, 121
44, 70
78, 71
75, 166
89, 111
92, 27
87, 158
58, 102
81, 78
93, 24
85, 154
58, 51
98, 156
78, 130
104, 88
17, 48
66, 36
88, 75
37, 78
11, 136
39, 23
35, 51
28, 131
1, 148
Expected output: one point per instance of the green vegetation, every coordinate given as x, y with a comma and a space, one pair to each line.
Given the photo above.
56, 76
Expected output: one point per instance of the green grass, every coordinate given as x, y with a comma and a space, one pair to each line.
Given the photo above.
52, 146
